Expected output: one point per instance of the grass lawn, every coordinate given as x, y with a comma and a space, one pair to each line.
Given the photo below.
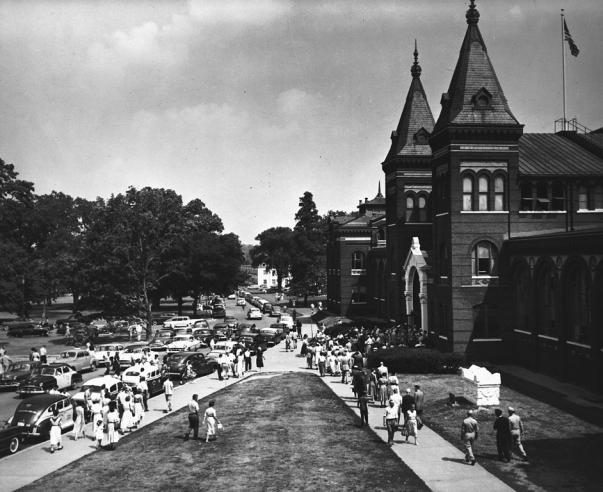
564, 451
282, 432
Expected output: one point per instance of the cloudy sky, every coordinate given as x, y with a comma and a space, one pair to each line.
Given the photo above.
246, 104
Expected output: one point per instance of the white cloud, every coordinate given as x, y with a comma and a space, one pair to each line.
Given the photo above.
515, 11
252, 12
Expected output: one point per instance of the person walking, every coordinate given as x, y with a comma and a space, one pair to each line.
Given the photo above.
419, 399
168, 390
407, 402
79, 421
363, 405
259, 360
97, 421
210, 419
391, 422
382, 382
111, 422
143, 387
247, 359
55, 431
503, 436
412, 428
43, 354
516, 427
469, 434
193, 418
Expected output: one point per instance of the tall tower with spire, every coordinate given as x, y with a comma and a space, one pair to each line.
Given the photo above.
407, 169
475, 165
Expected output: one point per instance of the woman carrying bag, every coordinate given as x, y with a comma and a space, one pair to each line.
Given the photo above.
211, 420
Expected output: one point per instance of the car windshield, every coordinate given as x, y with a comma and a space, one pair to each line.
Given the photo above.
132, 373
268, 331
131, 350
48, 370
181, 339
176, 357
68, 355
19, 367
94, 388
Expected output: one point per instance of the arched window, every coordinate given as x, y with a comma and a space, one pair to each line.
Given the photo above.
483, 259
483, 185
410, 207
422, 205
358, 260
558, 196
467, 192
499, 192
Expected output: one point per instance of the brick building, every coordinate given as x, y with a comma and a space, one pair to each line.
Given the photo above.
492, 238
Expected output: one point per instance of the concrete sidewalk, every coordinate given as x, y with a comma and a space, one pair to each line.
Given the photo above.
439, 464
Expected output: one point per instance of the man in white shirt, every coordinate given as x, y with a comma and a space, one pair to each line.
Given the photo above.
193, 418
144, 389
168, 390
391, 422
43, 352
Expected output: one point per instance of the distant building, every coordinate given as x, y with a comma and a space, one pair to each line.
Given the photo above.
268, 278
491, 238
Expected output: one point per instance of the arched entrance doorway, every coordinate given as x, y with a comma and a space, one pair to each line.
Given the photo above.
416, 300
415, 291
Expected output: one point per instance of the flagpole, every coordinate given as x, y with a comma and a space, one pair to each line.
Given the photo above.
563, 65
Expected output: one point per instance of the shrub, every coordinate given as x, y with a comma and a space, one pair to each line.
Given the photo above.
416, 360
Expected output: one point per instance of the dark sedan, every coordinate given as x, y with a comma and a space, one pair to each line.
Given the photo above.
18, 372
32, 416
10, 439
176, 364
27, 329
56, 375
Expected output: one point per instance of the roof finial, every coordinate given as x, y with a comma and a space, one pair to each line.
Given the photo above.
379, 195
472, 14
415, 70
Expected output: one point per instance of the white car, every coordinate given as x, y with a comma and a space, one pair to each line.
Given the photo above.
184, 342
232, 296
178, 322
97, 387
254, 313
103, 352
220, 348
241, 301
132, 353
286, 319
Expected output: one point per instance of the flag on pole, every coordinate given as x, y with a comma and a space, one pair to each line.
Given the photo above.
568, 37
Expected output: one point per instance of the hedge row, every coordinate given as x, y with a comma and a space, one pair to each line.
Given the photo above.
416, 360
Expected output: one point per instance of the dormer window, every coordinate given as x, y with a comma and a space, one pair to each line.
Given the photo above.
482, 99
421, 137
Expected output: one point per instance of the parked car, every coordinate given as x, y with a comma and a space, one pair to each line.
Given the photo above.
10, 439
158, 346
205, 311
286, 319
17, 372
203, 335
218, 311
80, 360
267, 308
102, 352
231, 321
176, 364
57, 374
200, 323
72, 318
26, 329
241, 301
33, 414
132, 353
184, 342
178, 322
152, 374
224, 347
165, 335
281, 328
254, 313
269, 336
221, 331
275, 312
232, 296
161, 318
97, 387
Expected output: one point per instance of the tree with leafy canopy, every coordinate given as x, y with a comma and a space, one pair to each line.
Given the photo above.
275, 250
308, 268
16, 244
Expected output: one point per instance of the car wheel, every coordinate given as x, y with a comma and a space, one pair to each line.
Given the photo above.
14, 445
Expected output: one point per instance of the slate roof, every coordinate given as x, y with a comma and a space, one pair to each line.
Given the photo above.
416, 114
551, 154
474, 72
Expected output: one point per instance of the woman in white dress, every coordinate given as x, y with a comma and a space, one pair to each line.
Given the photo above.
55, 431
127, 417
97, 421
78, 425
138, 409
411, 424
211, 420
111, 421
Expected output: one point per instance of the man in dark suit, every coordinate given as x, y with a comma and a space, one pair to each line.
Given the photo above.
503, 436
407, 401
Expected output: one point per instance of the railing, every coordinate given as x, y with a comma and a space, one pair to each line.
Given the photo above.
572, 125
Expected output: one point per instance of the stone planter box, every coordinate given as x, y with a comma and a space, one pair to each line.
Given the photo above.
480, 386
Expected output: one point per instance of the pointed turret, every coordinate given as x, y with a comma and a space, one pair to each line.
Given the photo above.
416, 121
475, 96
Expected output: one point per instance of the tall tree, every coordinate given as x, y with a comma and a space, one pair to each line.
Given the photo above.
308, 268
275, 250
